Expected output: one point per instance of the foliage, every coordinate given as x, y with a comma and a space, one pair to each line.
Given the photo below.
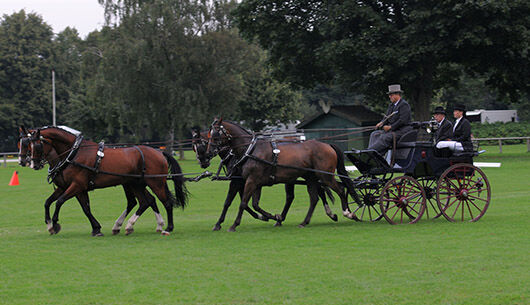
25, 74
365, 45
501, 130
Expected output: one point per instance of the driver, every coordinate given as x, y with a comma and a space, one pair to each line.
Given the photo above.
397, 124
461, 140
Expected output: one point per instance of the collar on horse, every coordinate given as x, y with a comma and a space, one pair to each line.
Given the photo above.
53, 172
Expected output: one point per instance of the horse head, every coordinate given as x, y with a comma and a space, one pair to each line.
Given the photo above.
200, 144
39, 149
218, 138
24, 157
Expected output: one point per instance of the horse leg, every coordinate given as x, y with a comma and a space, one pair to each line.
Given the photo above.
84, 201
131, 203
334, 185
139, 193
161, 190
47, 219
322, 195
312, 189
234, 188
70, 192
151, 201
255, 204
248, 190
289, 197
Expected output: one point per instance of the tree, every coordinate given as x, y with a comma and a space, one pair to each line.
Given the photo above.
25, 74
365, 45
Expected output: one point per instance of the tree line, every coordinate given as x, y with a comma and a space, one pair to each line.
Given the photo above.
160, 67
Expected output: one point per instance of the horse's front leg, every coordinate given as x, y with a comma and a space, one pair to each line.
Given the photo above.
84, 201
54, 196
234, 188
255, 204
70, 192
289, 197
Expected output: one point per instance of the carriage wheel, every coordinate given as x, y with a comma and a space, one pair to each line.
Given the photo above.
402, 200
432, 210
463, 193
367, 210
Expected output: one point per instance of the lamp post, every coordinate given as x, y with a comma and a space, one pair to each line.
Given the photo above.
53, 97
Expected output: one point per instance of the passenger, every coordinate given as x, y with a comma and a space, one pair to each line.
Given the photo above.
461, 140
396, 124
445, 127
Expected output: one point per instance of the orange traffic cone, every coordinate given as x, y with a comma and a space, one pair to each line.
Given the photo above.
14, 179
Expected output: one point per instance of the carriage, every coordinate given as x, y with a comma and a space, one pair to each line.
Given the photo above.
417, 179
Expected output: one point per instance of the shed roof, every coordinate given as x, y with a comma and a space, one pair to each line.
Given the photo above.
358, 114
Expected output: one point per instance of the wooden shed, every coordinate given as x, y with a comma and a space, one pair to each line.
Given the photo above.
329, 120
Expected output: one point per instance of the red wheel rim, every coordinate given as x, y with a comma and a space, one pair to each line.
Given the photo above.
463, 193
402, 200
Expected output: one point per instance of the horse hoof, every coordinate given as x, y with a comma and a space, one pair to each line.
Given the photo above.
165, 233
278, 224
98, 234
334, 217
216, 227
159, 230
51, 231
129, 231
115, 232
56, 228
231, 229
301, 225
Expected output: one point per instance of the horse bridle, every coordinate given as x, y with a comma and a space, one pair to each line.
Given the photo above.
213, 146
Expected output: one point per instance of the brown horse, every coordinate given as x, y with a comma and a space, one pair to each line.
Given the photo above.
313, 161
237, 184
136, 167
24, 157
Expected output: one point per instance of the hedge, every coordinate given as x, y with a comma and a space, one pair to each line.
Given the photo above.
501, 130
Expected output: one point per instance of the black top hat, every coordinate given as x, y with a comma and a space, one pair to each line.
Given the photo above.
439, 110
460, 107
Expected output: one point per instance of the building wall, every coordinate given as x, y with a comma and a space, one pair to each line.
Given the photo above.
357, 141
492, 116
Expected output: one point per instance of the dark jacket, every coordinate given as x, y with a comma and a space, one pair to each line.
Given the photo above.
444, 132
400, 122
462, 134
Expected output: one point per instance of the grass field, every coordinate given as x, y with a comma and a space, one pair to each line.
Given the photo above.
432, 262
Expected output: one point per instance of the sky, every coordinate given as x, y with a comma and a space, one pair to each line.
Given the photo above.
84, 15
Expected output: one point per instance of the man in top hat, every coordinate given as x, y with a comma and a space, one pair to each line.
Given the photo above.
461, 140
395, 124
445, 127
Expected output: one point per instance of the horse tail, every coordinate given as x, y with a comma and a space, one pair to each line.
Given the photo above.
341, 170
181, 192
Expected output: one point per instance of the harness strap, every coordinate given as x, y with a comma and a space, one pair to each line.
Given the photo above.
95, 171
52, 172
275, 153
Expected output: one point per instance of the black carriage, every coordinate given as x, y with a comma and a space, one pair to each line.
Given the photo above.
416, 179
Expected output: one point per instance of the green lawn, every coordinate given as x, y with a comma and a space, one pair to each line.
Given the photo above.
432, 262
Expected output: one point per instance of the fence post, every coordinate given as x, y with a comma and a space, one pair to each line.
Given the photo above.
5, 160
500, 146
527, 144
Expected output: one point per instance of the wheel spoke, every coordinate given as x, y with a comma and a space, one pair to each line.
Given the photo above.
456, 209
469, 209
478, 198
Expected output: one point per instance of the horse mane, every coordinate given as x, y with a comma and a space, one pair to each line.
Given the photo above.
67, 129
238, 125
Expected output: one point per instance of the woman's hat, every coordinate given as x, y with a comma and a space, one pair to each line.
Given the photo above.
460, 107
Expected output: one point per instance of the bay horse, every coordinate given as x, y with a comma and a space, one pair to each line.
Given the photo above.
24, 158
81, 169
311, 160
237, 184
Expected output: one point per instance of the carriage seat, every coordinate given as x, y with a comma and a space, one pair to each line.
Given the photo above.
405, 144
